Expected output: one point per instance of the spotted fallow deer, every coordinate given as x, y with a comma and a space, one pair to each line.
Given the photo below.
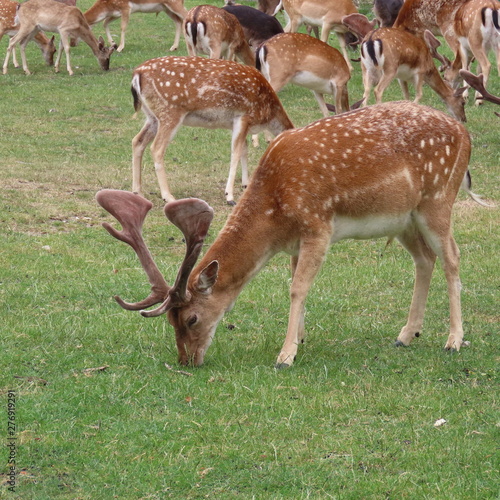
388, 170
201, 92
109, 10
437, 16
477, 27
9, 26
301, 59
389, 53
213, 31
326, 14
68, 21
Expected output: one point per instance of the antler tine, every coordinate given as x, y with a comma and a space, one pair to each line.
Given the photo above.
130, 210
477, 82
193, 217
433, 43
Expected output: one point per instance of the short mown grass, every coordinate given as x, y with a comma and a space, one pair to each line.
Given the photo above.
98, 413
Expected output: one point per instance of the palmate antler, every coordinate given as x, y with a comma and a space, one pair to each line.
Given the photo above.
191, 216
477, 82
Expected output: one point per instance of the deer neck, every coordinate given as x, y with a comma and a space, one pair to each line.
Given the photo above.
242, 249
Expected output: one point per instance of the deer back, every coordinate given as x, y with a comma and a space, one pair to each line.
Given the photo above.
209, 91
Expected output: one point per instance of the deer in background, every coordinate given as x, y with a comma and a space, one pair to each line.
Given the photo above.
327, 14
477, 27
257, 26
213, 31
437, 16
66, 20
389, 53
109, 10
301, 59
386, 11
8, 26
315, 186
201, 92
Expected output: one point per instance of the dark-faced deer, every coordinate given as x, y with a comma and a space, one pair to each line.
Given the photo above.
386, 11
213, 31
201, 92
389, 53
109, 10
8, 26
68, 21
389, 170
301, 59
257, 26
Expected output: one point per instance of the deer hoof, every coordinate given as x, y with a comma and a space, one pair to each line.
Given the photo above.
281, 366
398, 343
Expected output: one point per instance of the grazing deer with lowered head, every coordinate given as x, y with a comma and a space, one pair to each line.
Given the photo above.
109, 10
326, 14
308, 62
66, 20
257, 26
213, 31
389, 53
201, 92
8, 26
477, 28
389, 170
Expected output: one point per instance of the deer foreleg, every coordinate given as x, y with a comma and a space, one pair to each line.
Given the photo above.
311, 255
178, 28
424, 259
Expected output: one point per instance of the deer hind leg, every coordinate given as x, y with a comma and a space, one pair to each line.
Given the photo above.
139, 144
107, 29
384, 82
164, 136
311, 256
64, 43
424, 259
238, 149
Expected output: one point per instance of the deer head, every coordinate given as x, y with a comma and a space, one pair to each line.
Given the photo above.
192, 216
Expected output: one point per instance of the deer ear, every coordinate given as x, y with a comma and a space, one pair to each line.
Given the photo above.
208, 277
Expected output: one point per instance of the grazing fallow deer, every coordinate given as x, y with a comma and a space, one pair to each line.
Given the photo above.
327, 14
417, 16
213, 31
477, 28
109, 10
201, 92
308, 62
8, 26
389, 170
66, 20
389, 53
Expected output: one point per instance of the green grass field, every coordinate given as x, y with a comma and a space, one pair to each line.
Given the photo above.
98, 414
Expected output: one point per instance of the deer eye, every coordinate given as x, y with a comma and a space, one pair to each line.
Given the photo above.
192, 320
